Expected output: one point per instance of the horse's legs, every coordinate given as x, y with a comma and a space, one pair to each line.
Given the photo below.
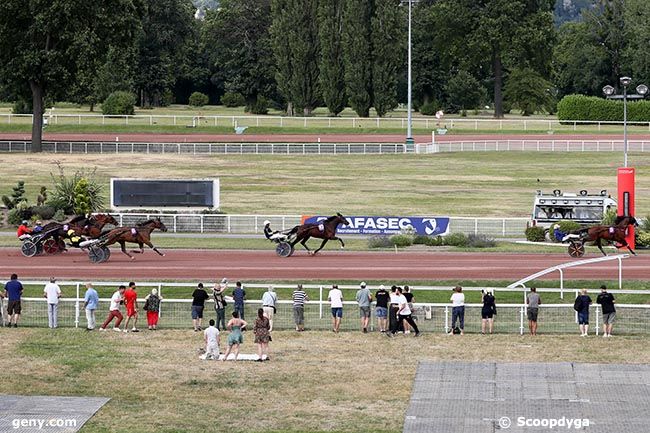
321, 245
600, 247
123, 246
141, 249
303, 242
340, 240
626, 245
150, 245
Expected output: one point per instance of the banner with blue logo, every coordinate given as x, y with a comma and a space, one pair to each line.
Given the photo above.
374, 225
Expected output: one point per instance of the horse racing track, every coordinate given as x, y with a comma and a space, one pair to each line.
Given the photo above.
181, 264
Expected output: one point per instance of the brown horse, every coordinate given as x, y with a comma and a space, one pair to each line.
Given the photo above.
325, 230
140, 234
615, 233
88, 227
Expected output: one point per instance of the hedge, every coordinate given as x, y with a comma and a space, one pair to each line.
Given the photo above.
591, 108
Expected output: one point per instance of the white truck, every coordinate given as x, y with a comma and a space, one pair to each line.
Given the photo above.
583, 208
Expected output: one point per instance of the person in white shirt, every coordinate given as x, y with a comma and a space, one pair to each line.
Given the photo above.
114, 310
52, 292
404, 313
458, 310
212, 341
335, 297
268, 305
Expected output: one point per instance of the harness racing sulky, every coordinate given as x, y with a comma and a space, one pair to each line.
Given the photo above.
287, 239
599, 233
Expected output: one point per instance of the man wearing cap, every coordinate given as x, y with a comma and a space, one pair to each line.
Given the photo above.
220, 303
23, 229
52, 292
268, 305
363, 299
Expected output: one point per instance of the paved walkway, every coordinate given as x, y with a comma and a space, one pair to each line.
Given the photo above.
465, 397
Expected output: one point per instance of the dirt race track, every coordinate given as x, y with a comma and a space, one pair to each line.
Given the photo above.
208, 265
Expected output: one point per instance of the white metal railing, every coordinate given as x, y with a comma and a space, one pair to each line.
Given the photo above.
250, 224
530, 145
421, 122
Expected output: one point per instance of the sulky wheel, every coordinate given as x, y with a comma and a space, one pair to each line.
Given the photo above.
51, 246
96, 254
107, 253
284, 249
576, 249
28, 248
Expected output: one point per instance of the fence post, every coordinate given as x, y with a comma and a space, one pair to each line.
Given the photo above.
174, 223
561, 284
620, 273
161, 298
76, 309
597, 321
446, 319
320, 303
522, 312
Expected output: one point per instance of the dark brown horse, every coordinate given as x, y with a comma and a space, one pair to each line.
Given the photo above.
325, 230
88, 227
140, 234
615, 233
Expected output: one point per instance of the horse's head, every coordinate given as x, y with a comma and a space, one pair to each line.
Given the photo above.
625, 221
157, 223
340, 219
104, 219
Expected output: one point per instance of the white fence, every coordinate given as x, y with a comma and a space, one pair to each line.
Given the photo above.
419, 122
252, 224
527, 145
431, 317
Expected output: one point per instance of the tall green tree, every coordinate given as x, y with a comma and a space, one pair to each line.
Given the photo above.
296, 49
464, 92
357, 54
637, 54
238, 33
387, 29
167, 27
528, 91
40, 42
332, 67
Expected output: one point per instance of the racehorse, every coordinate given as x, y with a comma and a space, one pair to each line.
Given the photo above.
140, 234
325, 230
615, 233
80, 225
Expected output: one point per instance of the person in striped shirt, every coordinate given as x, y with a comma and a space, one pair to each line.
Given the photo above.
299, 299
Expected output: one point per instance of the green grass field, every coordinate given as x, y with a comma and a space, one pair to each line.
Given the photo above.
490, 184
315, 381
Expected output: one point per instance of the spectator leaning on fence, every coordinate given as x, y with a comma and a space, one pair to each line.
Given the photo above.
335, 297
458, 311
114, 310
269, 299
381, 311
220, 303
52, 292
406, 292
299, 297
404, 313
363, 299
239, 296
152, 307
581, 305
13, 293
607, 301
393, 323
533, 300
488, 311
91, 299
199, 296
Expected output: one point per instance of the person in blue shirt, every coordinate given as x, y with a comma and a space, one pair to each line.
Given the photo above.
13, 291
559, 234
239, 295
91, 299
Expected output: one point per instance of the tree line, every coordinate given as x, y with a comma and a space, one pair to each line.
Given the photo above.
301, 54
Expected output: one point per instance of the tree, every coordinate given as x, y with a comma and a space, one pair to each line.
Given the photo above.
238, 34
387, 26
527, 90
279, 30
332, 67
637, 55
40, 42
463, 92
357, 54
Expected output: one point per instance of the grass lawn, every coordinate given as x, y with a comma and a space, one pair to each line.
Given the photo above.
316, 381
487, 184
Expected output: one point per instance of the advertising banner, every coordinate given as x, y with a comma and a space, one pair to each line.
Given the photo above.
375, 225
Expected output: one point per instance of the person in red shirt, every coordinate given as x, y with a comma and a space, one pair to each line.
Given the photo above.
131, 304
23, 229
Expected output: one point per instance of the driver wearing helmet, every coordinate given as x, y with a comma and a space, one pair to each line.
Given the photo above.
557, 233
23, 229
270, 234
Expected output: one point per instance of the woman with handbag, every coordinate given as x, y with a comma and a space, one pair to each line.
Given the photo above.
152, 307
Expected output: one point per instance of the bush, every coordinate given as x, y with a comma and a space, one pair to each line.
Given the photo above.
22, 106
59, 216
609, 217
456, 240
401, 240
420, 239
198, 99
568, 226
379, 242
67, 197
119, 103
481, 241
17, 196
644, 224
591, 108
44, 212
429, 109
260, 106
233, 99
436, 241
535, 234
167, 98
643, 238
21, 212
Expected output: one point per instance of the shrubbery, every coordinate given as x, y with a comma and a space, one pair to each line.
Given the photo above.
535, 234
480, 241
453, 240
591, 108
233, 99
402, 240
643, 238
261, 106
429, 109
198, 99
567, 226
456, 240
119, 103
379, 242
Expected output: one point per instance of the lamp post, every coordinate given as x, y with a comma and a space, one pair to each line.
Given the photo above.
409, 123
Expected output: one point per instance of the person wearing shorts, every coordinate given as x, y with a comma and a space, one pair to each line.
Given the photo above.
381, 311
488, 311
299, 298
199, 296
363, 299
533, 301
131, 304
606, 301
335, 297
13, 292
583, 301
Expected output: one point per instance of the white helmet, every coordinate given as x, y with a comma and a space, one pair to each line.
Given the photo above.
267, 222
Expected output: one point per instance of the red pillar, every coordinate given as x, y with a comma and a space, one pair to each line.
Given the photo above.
626, 199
